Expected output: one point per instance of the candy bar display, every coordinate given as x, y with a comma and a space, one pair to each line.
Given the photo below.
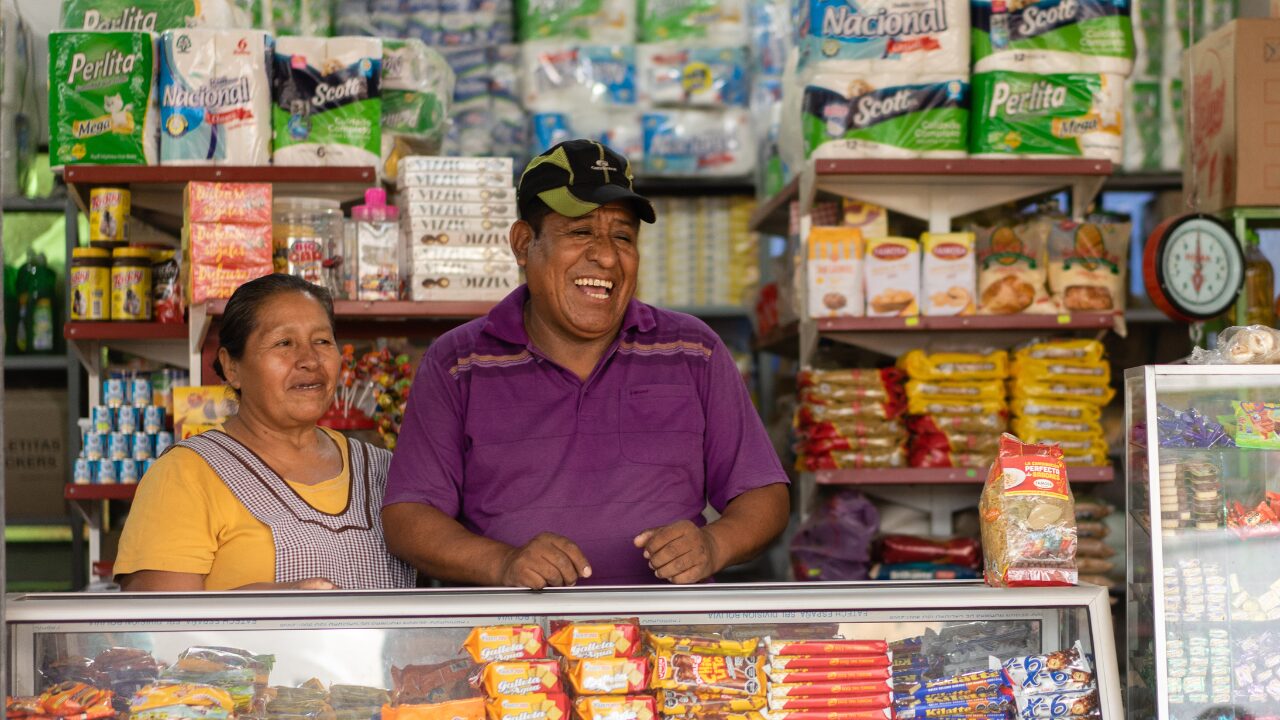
844, 676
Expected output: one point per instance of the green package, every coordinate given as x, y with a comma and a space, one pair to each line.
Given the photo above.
102, 98
1065, 114
417, 91
844, 115
676, 19
154, 15
542, 20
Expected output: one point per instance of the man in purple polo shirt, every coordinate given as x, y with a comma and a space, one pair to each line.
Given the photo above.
574, 434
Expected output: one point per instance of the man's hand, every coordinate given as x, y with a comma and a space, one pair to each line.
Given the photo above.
548, 560
681, 552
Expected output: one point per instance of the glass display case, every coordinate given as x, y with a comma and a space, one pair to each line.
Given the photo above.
1203, 469
398, 650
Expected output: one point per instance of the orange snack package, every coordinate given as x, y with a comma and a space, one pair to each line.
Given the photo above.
609, 676
580, 641
76, 698
528, 707
704, 645
506, 642
521, 677
680, 702
470, 709
1028, 517
229, 246
615, 707
830, 703
727, 675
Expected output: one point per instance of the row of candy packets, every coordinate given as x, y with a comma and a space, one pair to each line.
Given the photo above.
122, 670
226, 237
518, 678
981, 694
962, 648
707, 676
70, 700
241, 673
1059, 388
838, 679
957, 406
1199, 666
1246, 607
1053, 686
607, 669
1262, 519
1195, 592
850, 418
910, 666
1256, 676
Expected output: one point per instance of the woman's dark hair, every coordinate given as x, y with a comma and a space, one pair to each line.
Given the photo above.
240, 318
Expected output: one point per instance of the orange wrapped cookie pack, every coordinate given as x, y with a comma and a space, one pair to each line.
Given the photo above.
528, 707
521, 677
609, 676
615, 707
581, 641
469, 709
491, 643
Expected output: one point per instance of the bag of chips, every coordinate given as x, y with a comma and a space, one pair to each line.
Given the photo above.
1028, 517
949, 366
1088, 351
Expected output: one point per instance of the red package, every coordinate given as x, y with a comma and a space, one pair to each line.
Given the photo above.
829, 676
817, 662
907, 549
835, 703
208, 202
845, 689
936, 457
227, 245
833, 715
852, 460
1028, 518
830, 445
850, 377
828, 647
852, 429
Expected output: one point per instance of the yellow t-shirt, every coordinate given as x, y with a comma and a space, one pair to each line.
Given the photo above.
185, 519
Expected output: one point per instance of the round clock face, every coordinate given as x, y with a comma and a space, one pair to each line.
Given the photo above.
1200, 267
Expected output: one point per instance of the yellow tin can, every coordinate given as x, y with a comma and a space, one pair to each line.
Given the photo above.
90, 280
131, 283
108, 214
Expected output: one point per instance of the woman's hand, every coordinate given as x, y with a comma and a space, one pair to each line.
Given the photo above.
305, 584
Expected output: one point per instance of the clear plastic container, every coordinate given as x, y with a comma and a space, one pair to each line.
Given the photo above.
309, 241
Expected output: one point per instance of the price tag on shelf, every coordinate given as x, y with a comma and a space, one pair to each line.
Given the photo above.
911, 322
1064, 319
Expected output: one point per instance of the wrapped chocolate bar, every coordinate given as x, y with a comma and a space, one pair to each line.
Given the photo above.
1064, 670
1189, 429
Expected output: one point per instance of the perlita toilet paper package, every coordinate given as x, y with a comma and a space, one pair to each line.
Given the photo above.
1053, 36
877, 36
102, 98
1031, 115
861, 116
152, 15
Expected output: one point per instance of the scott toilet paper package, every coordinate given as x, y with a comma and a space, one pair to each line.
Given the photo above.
102, 98
1053, 36
1067, 114
874, 36
328, 103
215, 97
855, 116
683, 143
598, 21
152, 15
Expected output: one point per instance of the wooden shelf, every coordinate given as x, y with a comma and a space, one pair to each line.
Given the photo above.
389, 310
964, 168
35, 362
985, 323
941, 476
773, 215
1148, 181
108, 331
100, 492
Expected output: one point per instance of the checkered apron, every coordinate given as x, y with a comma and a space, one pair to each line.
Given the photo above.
348, 548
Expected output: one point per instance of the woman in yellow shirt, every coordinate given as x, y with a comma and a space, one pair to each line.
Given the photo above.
271, 500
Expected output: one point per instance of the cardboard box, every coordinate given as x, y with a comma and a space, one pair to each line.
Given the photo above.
35, 453
1232, 96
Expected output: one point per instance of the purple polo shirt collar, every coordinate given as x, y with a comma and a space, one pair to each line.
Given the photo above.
506, 320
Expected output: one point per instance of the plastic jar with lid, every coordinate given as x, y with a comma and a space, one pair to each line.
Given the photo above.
131, 284
90, 280
308, 238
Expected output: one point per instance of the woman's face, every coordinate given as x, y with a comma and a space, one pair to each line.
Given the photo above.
291, 362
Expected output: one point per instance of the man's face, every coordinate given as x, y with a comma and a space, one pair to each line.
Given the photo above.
581, 271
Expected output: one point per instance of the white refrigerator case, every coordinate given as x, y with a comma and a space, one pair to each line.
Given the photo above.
356, 637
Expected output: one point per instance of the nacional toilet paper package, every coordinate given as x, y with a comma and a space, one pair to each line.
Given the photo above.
685, 143
1030, 115
152, 15
215, 97
1053, 36
858, 116
102, 98
877, 36
328, 102
616, 127
600, 21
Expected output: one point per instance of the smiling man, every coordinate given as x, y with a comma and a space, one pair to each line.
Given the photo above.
574, 434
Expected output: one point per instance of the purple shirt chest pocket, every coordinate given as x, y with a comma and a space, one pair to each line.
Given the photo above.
662, 425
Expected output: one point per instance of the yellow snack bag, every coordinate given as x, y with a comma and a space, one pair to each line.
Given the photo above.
955, 366
521, 677
1066, 409
1090, 351
506, 642
702, 645
1023, 388
926, 406
609, 676
578, 641
615, 707
162, 695
1073, 371
1092, 458
528, 707
1071, 445
967, 390
1027, 425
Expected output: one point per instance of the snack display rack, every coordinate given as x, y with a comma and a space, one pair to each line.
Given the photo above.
356, 638
1203, 535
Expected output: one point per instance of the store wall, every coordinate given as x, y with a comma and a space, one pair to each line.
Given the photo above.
42, 17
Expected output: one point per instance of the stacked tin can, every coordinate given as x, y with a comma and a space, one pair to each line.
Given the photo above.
123, 436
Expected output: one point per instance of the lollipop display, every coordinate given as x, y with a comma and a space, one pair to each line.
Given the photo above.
372, 391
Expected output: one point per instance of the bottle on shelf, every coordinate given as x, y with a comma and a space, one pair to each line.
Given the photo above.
1259, 285
35, 291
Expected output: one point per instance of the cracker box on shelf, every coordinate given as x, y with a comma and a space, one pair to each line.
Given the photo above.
226, 237
1231, 105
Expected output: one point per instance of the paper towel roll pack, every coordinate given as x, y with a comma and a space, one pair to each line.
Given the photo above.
874, 36
102, 98
558, 75
152, 15
1143, 141
1026, 114
685, 143
1053, 36
675, 74
328, 103
858, 116
720, 22
602, 21
215, 97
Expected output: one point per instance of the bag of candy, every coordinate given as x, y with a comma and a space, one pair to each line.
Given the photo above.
1028, 517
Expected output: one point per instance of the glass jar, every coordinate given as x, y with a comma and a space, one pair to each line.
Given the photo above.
308, 238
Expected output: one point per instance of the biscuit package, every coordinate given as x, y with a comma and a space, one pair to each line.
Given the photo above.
506, 642
528, 707
954, 366
521, 677
578, 641
1012, 268
947, 274
892, 269
1028, 517
835, 272
703, 645
609, 676
615, 707
1087, 263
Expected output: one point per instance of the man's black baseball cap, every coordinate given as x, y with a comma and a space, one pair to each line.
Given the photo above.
576, 177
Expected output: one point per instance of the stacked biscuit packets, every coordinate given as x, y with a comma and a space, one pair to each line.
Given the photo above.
850, 419
708, 677
956, 407
829, 680
607, 670
1059, 388
519, 681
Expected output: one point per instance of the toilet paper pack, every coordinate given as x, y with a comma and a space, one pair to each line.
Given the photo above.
102, 98
675, 74
151, 15
684, 143
722, 22
895, 36
616, 127
1173, 139
557, 75
1052, 36
599, 21
215, 97
417, 92
1065, 114
857, 116
1148, 38
328, 103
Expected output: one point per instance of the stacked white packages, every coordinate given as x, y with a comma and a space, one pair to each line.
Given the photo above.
455, 214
